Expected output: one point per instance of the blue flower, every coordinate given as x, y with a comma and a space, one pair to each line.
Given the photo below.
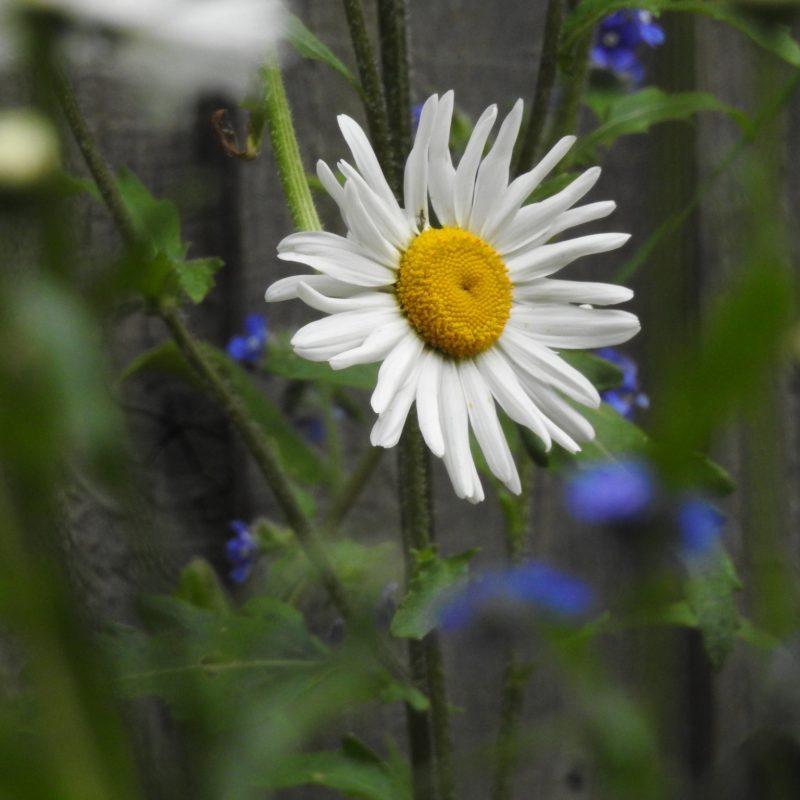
619, 38
241, 550
311, 428
416, 110
530, 586
613, 492
699, 527
626, 397
249, 348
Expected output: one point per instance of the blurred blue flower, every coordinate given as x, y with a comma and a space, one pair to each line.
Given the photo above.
619, 38
416, 110
611, 492
626, 397
532, 586
699, 527
241, 550
310, 428
249, 348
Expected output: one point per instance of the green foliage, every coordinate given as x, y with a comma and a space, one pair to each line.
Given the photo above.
711, 588
432, 576
603, 374
355, 771
309, 46
776, 39
300, 461
638, 111
199, 586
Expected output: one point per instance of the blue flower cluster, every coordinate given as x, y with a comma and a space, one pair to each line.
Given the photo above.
533, 586
619, 39
628, 492
626, 397
249, 348
241, 550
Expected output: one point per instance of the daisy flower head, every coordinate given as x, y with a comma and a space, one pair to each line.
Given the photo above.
462, 314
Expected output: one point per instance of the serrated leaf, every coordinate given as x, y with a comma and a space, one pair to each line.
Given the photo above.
777, 39
297, 458
636, 112
196, 277
415, 616
309, 46
282, 361
710, 592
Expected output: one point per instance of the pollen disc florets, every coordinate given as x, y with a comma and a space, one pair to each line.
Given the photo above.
455, 291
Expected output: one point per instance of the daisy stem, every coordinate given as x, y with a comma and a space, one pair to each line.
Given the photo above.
545, 80
392, 23
374, 101
287, 152
566, 121
515, 672
349, 492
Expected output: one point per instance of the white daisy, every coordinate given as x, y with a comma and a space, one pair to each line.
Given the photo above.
463, 315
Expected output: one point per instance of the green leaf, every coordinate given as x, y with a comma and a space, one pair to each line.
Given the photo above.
431, 577
282, 361
603, 374
636, 112
710, 592
350, 772
296, 457
199, 585
309, 46
196, 277
776, 39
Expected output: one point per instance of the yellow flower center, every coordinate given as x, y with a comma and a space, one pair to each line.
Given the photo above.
455, 290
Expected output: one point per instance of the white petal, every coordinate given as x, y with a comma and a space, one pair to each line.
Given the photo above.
389, 426
567, 426
483, 417
574, 327
340, 329
365, 158
509, 393
415, 176
329, 182
286, 288
428, 402
441, 172
334, 305
390, 220
493, 174
395, 369
549, 258
464, 181
581, 215
455, 429
378, 344
549, 290
520, 189
534, 218
365, 231
534, 359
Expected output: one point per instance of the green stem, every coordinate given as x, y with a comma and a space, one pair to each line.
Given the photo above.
394, 62
343, 501
566, 121
515, 673
545, 80
287, 152
261, 450
101, 172
374, 102
440, 718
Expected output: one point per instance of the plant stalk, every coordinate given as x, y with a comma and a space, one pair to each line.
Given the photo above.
566, 121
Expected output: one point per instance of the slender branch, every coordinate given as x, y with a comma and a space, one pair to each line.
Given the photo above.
261, 450
287, 152
545, 80
97, 165
392, 26
374, 102
566, 120
355, 484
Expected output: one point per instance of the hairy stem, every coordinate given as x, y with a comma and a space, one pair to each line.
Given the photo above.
566, 121
287, 152
545, 80
374, 101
